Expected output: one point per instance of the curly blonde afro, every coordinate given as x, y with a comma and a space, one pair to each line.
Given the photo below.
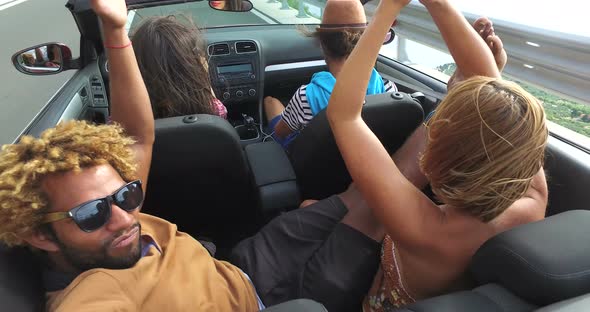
69, 146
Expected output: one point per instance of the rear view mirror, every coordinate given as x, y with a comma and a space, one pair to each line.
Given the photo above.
44, 59
231, 5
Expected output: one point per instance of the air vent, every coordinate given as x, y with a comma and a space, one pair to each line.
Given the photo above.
245, 47
219, 49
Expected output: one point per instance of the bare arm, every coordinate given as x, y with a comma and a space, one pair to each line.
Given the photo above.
530, 208
274, 108
407, 157
469, 50
39, 55
130, 103
399, 205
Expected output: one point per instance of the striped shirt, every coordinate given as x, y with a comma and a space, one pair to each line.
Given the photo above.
298, 113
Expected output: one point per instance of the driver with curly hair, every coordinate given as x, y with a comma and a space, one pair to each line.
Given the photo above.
68, 147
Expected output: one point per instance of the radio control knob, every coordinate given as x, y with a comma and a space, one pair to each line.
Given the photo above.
226, 95
239, 93
252, 76
222, 80
252, 92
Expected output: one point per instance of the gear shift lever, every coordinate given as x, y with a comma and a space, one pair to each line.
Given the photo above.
248, 121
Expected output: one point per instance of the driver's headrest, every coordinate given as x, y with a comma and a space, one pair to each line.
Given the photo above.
542, 262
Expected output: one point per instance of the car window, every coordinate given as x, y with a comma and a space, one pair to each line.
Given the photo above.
569, 116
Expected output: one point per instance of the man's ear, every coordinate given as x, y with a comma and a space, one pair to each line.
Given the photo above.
42, 239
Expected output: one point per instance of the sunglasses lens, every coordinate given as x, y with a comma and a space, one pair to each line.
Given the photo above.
129, 197
92, 215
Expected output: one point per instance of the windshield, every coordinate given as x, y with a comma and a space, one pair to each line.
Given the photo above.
563, 18
265, 12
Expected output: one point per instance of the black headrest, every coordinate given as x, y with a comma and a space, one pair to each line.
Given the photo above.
21, 286
199, 176
181, 141
542, 262
317, 162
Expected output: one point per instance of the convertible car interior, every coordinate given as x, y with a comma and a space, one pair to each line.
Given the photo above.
222, 180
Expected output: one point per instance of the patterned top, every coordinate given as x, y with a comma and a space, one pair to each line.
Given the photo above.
219, 108
298, 112
387, 292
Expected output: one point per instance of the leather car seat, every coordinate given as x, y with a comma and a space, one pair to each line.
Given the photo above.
199, 179
543, 264
21, 285
318, 165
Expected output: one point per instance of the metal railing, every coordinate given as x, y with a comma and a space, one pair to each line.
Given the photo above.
551, 60
555, 61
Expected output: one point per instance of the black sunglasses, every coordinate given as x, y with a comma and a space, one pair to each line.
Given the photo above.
93, 214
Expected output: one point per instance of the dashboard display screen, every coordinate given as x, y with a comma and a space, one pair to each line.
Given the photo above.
236, 68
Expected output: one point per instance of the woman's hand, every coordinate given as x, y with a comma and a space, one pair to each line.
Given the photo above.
112, 13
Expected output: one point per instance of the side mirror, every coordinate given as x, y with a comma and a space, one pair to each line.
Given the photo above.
231, 5
43, 59
389, 37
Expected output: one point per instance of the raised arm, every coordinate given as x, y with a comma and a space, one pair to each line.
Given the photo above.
400, 206
471, 54
130, 103
406, 157
530, 208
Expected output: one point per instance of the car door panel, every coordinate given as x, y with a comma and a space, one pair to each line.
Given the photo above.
82, 97
568, 176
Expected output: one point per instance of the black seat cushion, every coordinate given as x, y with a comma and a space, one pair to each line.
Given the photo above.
487, 298
581, 303
200, 180
317, 162
543, 262
21, 285
298, 305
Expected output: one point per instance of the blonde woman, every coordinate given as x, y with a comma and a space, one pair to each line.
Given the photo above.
483, 158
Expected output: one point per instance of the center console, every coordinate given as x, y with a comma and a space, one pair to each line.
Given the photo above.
234, 67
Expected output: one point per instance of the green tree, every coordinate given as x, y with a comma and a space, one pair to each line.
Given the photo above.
575, 113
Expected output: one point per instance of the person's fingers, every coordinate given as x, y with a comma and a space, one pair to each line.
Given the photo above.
484, 27
495, 44
481, 24
481, 21
497, 47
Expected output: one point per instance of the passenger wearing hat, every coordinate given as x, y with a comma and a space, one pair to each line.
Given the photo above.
343, 23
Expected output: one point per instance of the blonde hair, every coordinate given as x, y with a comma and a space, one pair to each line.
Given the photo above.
69, 146
486, 141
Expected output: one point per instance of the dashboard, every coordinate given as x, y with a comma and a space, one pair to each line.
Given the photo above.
234, 69
247, 63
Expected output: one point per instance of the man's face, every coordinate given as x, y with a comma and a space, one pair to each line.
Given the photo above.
116, 245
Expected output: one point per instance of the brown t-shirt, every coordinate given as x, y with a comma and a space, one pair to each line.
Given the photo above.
183, 277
